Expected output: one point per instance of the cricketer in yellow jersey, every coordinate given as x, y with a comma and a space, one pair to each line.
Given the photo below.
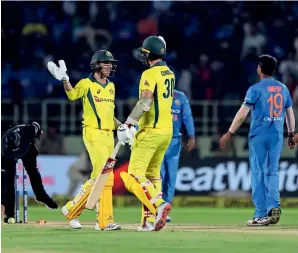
154, 118
97, 94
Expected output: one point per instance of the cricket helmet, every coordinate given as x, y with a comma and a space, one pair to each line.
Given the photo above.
103, 56
152, 45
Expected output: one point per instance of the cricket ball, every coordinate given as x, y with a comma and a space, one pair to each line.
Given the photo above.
11, 221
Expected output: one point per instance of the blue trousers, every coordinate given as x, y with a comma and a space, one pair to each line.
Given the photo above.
264, 155
169, 169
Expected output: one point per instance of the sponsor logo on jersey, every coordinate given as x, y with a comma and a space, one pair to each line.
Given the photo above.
103, 99
273, 118
98, 91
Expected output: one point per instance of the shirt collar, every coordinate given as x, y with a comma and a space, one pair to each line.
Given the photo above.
160, 63
92, 78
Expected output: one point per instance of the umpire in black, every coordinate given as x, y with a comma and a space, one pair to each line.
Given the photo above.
18, 142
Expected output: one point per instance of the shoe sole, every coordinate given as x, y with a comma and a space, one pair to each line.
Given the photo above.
144, 230
258, 225
112, 229
46, 205
163, 219
275, 215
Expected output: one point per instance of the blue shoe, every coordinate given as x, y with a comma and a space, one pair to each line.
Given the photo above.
168, 219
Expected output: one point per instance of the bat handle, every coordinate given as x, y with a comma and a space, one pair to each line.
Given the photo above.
116, 149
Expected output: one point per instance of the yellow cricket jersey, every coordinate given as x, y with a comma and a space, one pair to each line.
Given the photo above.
98, 102
161, 81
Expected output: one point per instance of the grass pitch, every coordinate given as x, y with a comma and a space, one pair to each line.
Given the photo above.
193, 230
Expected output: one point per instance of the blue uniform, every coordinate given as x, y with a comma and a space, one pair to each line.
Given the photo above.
268, 100
181, 113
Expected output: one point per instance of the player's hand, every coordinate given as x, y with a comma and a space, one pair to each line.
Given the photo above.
296, 138
191, 143
224, 139
123, 134
58, 72
291, 140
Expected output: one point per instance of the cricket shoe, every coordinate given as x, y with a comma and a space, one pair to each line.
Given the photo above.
148, 227
47, 201
74, 223
258, 222
109, 227
168, 219
162, 213
274, 215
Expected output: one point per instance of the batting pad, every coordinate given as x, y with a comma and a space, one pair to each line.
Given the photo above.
143, 189
105, 207
146, 215
77, 205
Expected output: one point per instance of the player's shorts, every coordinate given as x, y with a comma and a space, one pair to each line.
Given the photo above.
149, 147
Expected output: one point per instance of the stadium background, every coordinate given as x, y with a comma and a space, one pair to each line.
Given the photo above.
212, 48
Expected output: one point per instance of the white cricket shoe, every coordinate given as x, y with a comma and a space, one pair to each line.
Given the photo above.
74, 223
258, 222
162, 213
109, 227
148, 227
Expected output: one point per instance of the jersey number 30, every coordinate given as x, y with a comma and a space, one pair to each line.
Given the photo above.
170, 84
276, 104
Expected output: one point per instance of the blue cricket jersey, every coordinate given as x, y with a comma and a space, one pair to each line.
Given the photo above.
182, 113
268, 100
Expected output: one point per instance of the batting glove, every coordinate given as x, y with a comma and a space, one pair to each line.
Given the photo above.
133, 131
123, 134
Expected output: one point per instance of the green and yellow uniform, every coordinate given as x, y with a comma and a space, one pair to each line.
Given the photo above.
98, 125
152, 139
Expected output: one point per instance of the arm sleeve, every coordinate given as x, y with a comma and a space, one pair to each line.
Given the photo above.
289, 100
251, 97
147, 82
187, 117
78, 91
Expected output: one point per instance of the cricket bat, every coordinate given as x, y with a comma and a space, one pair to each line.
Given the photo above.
102, 179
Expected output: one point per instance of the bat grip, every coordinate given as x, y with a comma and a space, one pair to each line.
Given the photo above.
116, 149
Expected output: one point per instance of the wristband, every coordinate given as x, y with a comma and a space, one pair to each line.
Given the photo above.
291, 134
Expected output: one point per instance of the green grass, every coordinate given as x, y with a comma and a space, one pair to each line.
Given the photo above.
199, 237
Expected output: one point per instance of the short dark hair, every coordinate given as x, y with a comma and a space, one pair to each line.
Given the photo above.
153, 57
267, 64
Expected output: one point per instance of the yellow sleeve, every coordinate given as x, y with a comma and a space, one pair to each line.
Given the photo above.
78, 91
147, 81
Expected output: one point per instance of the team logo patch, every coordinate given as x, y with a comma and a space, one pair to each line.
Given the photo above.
177, 101
111, 91
146, 83
162, 50
96, 99
98, 91
108, 53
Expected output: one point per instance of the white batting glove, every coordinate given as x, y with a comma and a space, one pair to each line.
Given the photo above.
58, 72
133, 131
123, 134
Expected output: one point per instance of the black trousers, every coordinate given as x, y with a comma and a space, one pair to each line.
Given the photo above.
8, 172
